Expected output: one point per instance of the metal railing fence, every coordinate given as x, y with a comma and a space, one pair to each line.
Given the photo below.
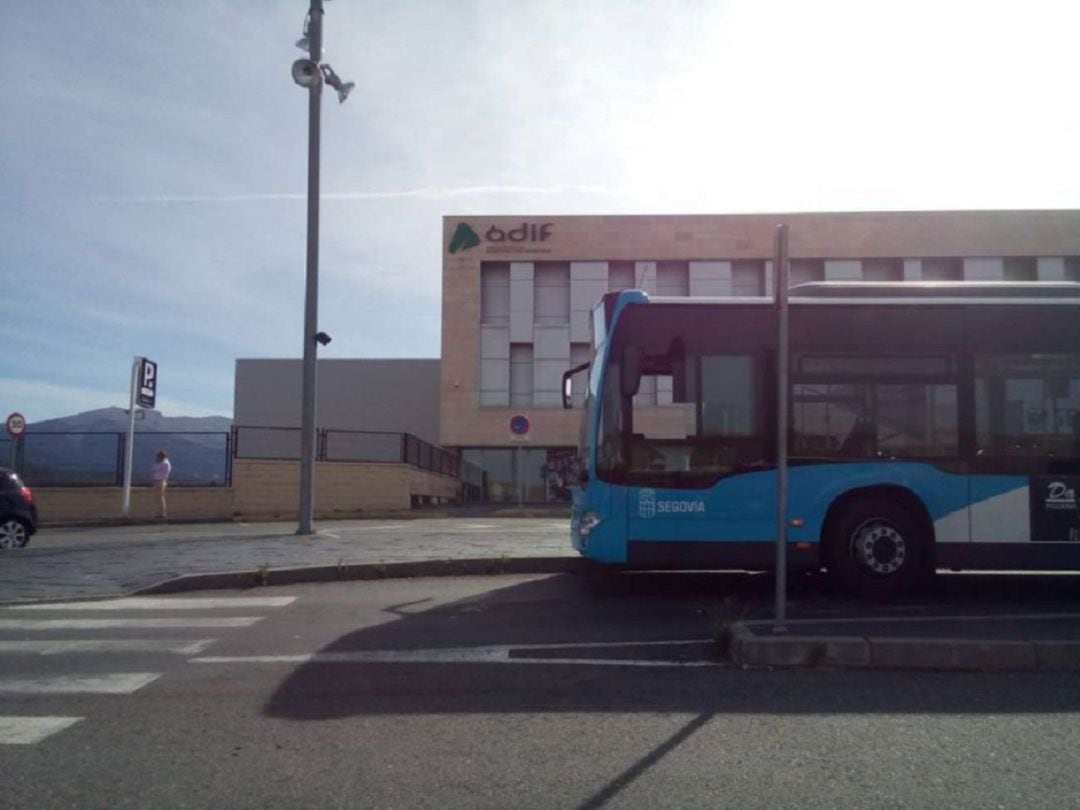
372, 446
96, 458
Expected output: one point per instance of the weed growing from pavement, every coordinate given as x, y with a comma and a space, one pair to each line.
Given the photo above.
722, 621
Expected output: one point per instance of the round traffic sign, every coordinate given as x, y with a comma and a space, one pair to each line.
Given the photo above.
519, 424
16, 424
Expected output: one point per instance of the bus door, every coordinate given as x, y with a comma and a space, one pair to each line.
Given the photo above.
1026, 472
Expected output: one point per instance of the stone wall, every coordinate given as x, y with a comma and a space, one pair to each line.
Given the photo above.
261, 490
91, 504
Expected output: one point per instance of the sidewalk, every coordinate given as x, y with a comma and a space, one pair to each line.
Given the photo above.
112, 561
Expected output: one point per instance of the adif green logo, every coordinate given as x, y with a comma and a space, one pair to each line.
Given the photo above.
464, 238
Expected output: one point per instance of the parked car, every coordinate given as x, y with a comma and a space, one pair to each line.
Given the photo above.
18, 512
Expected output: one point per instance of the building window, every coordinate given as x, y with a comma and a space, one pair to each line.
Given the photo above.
942, 269
495, 292
801, 271
883, 270
673, 278
748, 277
521, 374
551, 293
620, 276
1021, 269
1072, 268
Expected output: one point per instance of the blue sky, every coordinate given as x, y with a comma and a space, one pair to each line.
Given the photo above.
153, 154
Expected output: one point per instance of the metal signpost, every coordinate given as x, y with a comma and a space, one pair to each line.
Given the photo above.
143, 394
16, 426
781, 278
311, 73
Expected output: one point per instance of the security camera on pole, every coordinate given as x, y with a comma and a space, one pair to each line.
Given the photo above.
311, 74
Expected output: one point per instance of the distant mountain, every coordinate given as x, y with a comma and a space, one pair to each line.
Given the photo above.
113, 419
87, 448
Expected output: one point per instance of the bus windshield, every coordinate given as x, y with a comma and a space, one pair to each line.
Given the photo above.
682, 401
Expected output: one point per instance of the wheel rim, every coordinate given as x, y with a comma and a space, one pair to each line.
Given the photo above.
877, 547
12, 534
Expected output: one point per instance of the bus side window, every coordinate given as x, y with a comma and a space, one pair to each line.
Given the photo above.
1028, 405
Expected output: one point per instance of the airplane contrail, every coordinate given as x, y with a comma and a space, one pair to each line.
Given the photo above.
431, 192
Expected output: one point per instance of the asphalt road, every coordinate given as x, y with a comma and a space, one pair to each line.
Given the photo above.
500, 692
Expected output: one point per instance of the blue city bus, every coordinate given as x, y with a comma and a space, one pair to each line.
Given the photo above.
931, 424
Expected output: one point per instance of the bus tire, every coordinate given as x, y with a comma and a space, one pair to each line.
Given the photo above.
876, 549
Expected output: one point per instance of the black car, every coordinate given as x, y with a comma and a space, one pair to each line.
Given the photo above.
18, 513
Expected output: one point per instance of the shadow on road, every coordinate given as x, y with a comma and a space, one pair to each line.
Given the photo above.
585, 618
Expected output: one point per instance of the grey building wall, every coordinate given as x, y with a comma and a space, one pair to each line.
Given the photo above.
393, 395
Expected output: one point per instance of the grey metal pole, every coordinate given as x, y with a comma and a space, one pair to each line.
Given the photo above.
129, 451
311, 290
782, 366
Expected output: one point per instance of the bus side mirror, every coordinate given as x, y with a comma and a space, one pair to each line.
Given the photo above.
568, 384
632, 363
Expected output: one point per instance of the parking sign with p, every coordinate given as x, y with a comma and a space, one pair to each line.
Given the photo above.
147, 389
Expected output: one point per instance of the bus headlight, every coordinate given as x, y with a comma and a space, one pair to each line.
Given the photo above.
589, 521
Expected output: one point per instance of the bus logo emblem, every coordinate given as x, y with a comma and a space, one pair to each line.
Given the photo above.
647, 503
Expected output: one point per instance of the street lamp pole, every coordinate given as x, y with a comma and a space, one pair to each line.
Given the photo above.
311, 290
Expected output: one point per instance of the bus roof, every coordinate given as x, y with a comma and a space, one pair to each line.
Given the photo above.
904, 292
936, 289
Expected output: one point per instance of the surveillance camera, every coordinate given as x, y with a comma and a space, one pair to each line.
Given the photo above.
322, 338
306, 73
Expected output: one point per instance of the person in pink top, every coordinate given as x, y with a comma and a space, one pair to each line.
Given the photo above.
160, 477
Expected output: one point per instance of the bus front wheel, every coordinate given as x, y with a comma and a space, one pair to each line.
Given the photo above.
876, 549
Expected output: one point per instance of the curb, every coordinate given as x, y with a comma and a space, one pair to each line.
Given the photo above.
872, 652
261, 577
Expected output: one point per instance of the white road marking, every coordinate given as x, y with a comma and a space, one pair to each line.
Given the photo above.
487, 655
165, 603
141, 624
63, 646
30, 730
119, 683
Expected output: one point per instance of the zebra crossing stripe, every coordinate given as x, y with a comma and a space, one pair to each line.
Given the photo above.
63, 646
31, 730
139, 624
117, 683
165, 603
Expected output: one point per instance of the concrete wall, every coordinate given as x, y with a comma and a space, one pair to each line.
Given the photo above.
391, 395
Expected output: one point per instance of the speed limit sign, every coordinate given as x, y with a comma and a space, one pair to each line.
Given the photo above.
16, 424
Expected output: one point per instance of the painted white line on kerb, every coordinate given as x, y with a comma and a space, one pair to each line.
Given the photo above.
118, 683
166, 603
30, 730
139, 624
457, 655
146, 645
